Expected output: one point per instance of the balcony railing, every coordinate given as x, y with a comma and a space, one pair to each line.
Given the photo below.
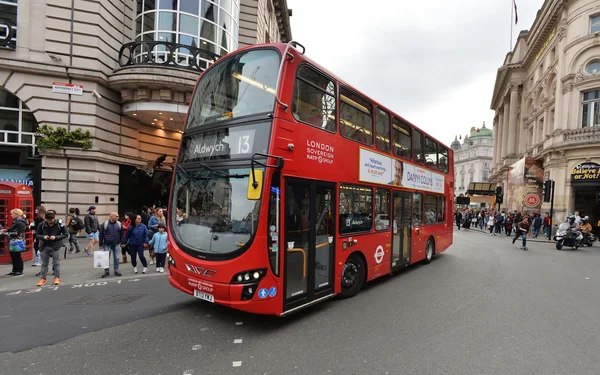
166, 54
589, 133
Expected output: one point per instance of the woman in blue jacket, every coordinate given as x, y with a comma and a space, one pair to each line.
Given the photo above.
136, 238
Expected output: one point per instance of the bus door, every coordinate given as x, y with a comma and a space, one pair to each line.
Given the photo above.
309, 241
401, 230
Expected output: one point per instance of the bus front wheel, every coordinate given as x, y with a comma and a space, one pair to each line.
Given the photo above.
429, 252
353, 276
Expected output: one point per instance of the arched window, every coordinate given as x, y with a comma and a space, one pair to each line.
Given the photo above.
17, 124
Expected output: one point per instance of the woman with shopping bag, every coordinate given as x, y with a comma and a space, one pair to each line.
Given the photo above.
16, 237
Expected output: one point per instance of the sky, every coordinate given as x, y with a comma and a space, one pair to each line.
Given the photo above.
433, 62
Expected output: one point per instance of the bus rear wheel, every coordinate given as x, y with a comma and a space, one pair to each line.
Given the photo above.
429, 252
353, 276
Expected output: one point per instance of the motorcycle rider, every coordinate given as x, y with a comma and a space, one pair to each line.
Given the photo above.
585, 226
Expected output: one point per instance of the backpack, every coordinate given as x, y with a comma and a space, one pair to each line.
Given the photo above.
118, 223
77, 223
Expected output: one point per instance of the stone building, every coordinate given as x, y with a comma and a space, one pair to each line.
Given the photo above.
124, 70
472, 158
547, 103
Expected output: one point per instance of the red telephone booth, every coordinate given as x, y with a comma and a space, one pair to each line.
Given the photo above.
14, 195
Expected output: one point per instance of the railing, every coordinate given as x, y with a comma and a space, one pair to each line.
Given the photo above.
582, 134
166, 54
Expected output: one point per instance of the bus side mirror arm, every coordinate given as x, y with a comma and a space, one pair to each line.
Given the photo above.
279, 165
286, 53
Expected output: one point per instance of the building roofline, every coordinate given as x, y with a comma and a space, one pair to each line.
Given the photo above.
283, 20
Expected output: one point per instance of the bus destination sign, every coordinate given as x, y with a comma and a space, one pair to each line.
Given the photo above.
228, 143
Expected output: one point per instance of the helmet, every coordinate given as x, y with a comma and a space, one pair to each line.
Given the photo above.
584, 220
571, 219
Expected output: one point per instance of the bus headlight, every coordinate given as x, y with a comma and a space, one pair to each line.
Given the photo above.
171, 260
250, 276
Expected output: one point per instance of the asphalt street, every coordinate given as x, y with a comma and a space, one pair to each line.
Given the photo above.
482, 307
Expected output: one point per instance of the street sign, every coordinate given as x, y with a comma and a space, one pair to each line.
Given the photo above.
67, 88
532, 200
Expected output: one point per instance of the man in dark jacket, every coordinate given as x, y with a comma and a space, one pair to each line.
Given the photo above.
91, 230
40, 213
111, 237
51, 235
145, 216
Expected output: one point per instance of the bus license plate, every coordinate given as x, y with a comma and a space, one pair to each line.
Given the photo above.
204, 296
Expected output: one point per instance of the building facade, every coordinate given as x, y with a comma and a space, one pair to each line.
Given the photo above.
547, 104
124, 70
472, 158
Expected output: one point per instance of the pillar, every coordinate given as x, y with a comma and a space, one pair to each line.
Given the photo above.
498, 147
505, 130
512, 123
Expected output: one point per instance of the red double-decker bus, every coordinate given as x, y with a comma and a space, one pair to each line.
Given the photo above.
292, 187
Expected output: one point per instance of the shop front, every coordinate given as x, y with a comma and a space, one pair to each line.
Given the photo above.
585, 184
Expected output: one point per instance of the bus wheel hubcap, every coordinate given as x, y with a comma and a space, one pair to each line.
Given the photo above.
349, 275
429, 251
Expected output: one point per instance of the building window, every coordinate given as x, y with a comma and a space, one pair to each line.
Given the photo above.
595, 25
593, 67
17, 124
471, 176
485, 175
314, 99
196, 23
402, 139
591, 109
356, 119
382, 137
356, 208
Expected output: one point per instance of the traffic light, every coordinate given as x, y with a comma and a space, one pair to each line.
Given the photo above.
499, 195
547, 190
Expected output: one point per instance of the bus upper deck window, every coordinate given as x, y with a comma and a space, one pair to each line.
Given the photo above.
314, 100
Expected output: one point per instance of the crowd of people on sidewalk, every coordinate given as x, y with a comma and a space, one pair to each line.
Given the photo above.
501, 222
131, 235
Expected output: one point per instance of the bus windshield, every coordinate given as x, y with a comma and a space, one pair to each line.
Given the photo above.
213, 215
243, 84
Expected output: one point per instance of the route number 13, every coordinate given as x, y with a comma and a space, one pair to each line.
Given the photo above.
244, 144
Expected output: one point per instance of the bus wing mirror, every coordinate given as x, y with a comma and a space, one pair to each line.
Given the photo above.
255, 183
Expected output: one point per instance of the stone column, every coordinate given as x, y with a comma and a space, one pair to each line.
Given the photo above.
494, 138
498, 146
512, 123
505, 129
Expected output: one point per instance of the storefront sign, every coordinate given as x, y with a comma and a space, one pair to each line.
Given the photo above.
8, 25
585, 172
532, 200
525, 185
67, 88
382, 169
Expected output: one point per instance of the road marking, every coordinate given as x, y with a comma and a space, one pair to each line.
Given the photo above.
74, 286
188, 372
237, 363
239, 323
196, 347
237, 341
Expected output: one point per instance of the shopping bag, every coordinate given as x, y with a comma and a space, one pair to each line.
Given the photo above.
17, 246
101, 259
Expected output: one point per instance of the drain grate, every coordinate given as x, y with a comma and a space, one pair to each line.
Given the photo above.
115, 299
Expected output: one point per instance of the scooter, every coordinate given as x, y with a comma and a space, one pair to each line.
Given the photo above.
567, 237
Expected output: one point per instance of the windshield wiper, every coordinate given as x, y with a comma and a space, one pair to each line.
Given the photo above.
224, 174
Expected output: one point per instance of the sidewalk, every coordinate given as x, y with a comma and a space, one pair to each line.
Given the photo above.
76, 269
529, 239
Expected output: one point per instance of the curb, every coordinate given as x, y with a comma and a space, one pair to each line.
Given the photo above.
476, 229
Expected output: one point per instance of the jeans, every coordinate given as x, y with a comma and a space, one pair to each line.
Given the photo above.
17, 261
73, 242
45, 253
137, 250
160, 259
115, 249
536, 231
547, 230
523, 236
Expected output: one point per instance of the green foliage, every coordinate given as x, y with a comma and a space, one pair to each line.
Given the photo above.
47, 137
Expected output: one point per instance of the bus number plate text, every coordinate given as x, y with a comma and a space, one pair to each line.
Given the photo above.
205, 296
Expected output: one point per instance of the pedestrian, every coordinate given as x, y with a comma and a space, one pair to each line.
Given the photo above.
91, 230
546, 224
159, 242
157, 219
509, 224
111, 237
522, 230
458, 218
537, 225
40, 213
490, 222
126, 224
137, 238
74, 224
145, 214
16, 238
51, 235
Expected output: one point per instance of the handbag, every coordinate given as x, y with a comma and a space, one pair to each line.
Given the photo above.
17, 246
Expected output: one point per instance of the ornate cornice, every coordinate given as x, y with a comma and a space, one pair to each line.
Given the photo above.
561, 32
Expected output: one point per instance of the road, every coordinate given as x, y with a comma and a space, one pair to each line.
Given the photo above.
482, 307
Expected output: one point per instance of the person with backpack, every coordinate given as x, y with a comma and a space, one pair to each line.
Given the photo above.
111, 237
74, 224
